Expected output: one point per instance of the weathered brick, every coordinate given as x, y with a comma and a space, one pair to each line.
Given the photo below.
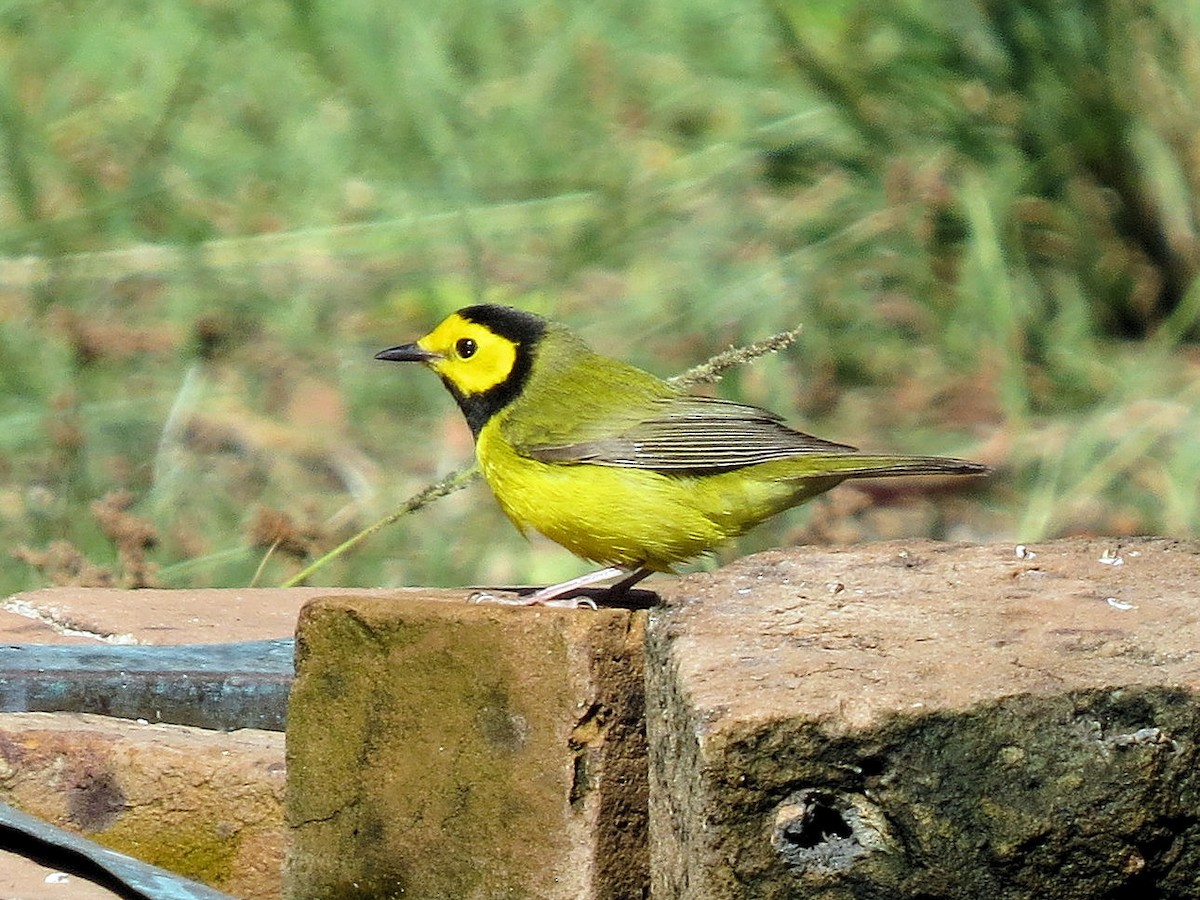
205, 804
920, 720
154, 616
438, 748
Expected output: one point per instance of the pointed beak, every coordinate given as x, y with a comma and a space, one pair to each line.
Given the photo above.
407, 353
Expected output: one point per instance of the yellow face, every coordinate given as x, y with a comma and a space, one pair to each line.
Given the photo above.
470, 356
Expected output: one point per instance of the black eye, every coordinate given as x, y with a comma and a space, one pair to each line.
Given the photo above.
465, 348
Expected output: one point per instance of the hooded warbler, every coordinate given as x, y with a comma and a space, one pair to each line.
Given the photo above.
617, 465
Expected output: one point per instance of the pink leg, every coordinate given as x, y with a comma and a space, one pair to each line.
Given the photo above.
553, 595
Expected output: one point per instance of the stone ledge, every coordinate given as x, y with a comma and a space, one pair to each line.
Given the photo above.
157, 616
903, 720
929, 720
206, 804
438, 748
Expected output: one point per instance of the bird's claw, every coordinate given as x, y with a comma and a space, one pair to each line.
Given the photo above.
517, 600
500, 599
571, 603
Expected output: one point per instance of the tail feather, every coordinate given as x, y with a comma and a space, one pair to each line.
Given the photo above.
853, 465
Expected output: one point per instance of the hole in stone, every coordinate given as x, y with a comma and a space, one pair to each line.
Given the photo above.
815, 830
818, 822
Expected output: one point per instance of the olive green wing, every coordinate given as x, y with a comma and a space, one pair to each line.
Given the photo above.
686, 435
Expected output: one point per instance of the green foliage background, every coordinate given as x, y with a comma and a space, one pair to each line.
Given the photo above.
212, 214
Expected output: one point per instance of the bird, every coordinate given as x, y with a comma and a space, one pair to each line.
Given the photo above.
617, 465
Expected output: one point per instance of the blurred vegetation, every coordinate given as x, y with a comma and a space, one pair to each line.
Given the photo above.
983, 214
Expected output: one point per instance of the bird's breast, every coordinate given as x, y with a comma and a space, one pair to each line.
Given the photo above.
622, 516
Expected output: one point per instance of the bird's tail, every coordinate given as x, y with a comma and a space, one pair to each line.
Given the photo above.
855, 465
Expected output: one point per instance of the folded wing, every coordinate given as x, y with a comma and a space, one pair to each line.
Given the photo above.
690, 435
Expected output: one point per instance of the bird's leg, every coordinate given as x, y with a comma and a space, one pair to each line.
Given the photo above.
555, 594
622, 587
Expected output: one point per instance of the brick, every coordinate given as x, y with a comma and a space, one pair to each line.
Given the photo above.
25, 879
208, 805
916, 719
438, 748
154, 616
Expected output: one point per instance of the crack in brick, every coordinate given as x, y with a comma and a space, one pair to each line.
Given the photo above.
64, 627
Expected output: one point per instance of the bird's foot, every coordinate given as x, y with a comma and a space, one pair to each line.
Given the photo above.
559, 595
531, 600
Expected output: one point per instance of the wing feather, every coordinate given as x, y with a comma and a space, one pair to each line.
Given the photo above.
685, 434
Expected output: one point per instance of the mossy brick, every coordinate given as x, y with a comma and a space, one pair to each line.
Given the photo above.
444, 749
205, 804
923, 720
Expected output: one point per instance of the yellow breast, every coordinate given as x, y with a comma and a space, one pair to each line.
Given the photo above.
630, 517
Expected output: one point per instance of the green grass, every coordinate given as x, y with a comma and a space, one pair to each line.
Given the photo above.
211, 216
